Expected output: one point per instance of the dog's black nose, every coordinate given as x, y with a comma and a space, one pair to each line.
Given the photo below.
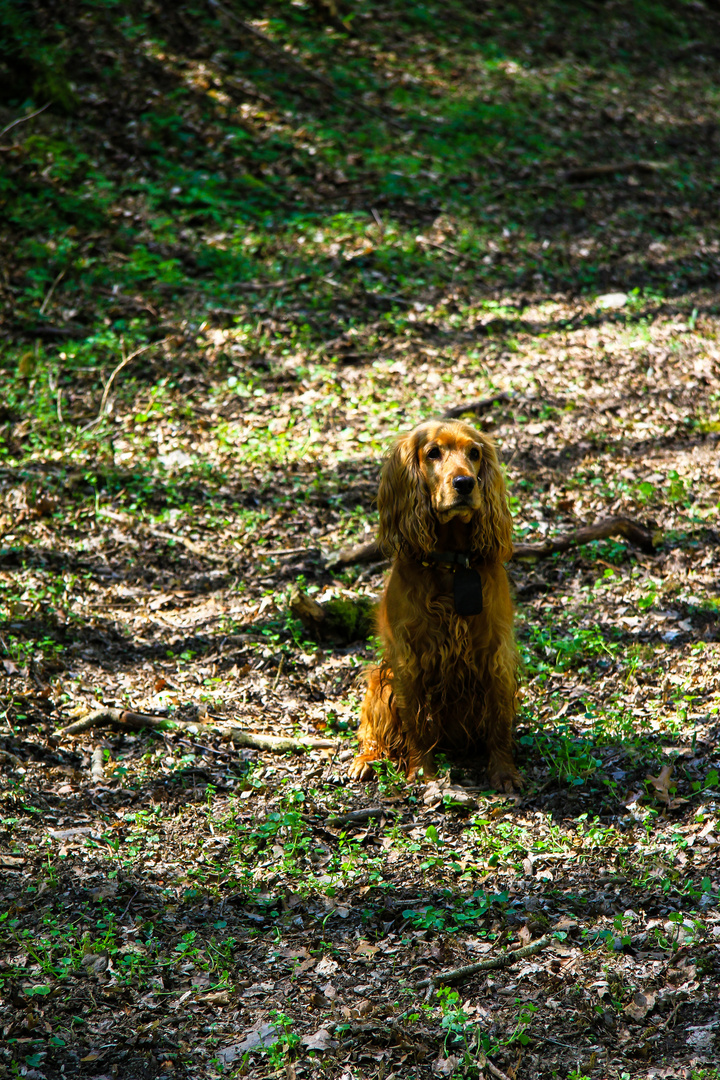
464, 484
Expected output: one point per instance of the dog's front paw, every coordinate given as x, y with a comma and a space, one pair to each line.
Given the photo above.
361, 768
504, 776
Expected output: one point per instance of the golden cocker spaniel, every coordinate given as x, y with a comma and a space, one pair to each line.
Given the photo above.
448, 676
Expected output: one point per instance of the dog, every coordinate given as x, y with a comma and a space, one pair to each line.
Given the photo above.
448, 675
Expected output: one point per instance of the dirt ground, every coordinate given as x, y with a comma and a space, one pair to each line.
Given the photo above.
172, 904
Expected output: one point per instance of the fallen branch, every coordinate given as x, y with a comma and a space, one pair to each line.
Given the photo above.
76, 330
359, 817
358, 553
614, 526
592, 172
283, 283
278, 744
477, 407
97, 765
124, 718
502, 961
236, 286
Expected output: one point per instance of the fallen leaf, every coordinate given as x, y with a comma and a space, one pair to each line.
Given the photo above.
702, 1038
219, 997
457, 798
96, 963
256, 1039
525, 935
661, 783
432, 796
640, 1005
445, 1066
327, 967
366, 949
319, 1040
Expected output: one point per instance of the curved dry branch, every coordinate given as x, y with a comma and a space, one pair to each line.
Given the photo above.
602, 530
626, 527
124, 718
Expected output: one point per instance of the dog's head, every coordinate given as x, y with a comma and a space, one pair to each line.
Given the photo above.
442, 471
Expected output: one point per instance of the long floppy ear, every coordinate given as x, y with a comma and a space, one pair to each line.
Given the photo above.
492, 524
406, 518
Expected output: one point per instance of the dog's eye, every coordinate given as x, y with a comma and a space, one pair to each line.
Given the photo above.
474, 454
434, 453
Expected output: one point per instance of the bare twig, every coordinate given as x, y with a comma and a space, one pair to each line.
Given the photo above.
279, 673
285, 551
195, 549
22, 119
307, 73
444, 247
123, 363
51, 290
502, 961
125, 360
124, 718
494, 1071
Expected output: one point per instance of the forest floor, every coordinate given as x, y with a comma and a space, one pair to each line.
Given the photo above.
227, 286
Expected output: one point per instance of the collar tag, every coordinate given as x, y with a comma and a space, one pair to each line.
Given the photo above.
467, 591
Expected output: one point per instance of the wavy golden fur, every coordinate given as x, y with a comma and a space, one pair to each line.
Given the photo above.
446, 681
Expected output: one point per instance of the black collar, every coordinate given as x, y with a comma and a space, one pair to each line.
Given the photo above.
467, 583
451, 559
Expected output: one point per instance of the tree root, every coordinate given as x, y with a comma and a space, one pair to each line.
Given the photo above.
123, 718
